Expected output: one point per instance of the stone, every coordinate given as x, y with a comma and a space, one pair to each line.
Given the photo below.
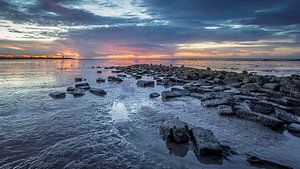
70, 89
285, 116
183, 91
215, 102
78, 79
78, 92
271, 86
261, 163
206, 144
145, 83
243, 111
58, 95
251, 87
82, 85
170, 94
197, 95
114, 79
295, 128
98, 92
100, 80
117, 71
225, 110
154, 95
261, 107
99, 71
175, 131
121, 75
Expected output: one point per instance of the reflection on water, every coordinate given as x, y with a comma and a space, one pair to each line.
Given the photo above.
119, 112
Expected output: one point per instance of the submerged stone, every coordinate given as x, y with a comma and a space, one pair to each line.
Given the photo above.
175, 131
58, 95
154, 95
78, 92
98, 92
145, 83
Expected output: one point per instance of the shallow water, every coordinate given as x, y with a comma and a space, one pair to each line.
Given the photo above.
119, 130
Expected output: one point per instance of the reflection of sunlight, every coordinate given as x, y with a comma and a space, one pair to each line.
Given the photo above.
119, 111
67, 63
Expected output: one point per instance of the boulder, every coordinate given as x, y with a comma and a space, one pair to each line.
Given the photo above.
295, 128
100, 80
98, 92
243, 111
215, 102
154, 95
58, 95
145, 83
205, 142
175, 131
271, 86
251, 87
225, 110
70, 89
78, 92
261, 163
114, 79
78, 79
171, 94
286, 117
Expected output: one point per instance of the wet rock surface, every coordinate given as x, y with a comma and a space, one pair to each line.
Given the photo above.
86, 132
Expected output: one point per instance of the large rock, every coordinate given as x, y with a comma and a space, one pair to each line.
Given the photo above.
225, 110
215, 102
175, 131
205, 142
78, 79
154, 95
78, 92
171, 94
261, 163
285, 116
98, 92
58, 95
83, 85
100, 80
251, 87
243, 111
271, 86
145, 83
295, 128
114, 79
261, 107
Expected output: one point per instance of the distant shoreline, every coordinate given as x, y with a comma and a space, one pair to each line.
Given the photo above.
209, 59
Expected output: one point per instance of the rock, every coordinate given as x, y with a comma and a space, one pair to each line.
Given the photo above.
98, 92
83, 85
285, 116
215, 102
225, 110
58, 95
295, 128
261, 107
70, 89
154, 95
100, 80
251, 87
138, 76
170, 94
99, 71
243, 111
114, 79
197, 95
183, 91
117, 71
78, 92
174, 131
271, 86
205, 142
261, 163
220, 88
144, 83
78, 79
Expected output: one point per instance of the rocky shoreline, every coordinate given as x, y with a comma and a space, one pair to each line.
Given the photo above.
267, 100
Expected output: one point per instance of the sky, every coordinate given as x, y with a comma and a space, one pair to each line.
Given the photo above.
150, 28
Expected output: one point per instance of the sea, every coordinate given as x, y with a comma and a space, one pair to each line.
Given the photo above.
121, 129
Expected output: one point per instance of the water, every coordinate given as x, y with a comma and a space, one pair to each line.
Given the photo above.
119, 130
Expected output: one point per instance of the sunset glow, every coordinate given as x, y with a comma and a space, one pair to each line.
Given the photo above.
148, 29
